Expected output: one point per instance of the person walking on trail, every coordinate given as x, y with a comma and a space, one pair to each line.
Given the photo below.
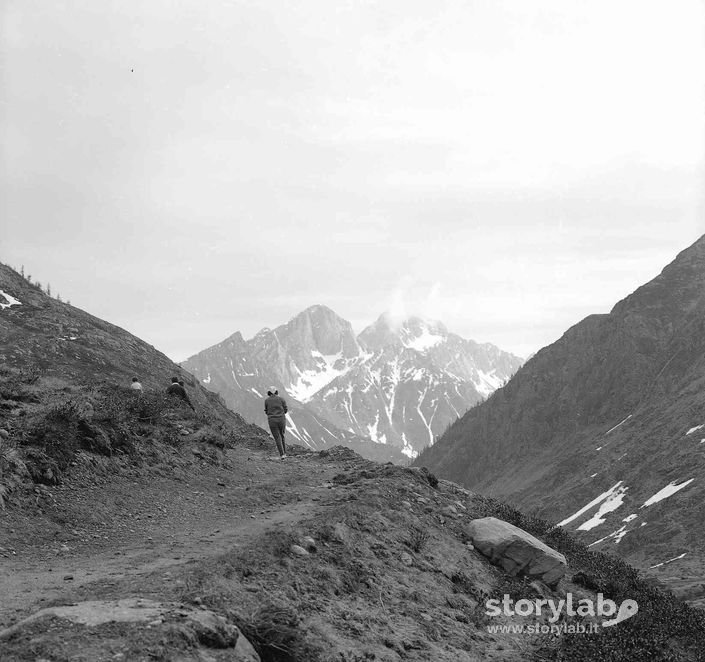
136, 386
275, 408
175, 388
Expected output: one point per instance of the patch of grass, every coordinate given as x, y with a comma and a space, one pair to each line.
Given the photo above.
417, 539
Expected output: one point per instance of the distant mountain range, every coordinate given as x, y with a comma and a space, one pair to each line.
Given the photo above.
604, 430
388, 392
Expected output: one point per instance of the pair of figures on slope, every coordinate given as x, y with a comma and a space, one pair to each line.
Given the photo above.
275, 408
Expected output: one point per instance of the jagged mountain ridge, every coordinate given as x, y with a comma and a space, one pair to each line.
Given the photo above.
413, 380
601, 430
397, 383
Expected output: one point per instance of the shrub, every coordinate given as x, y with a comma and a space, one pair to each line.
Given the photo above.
417, 539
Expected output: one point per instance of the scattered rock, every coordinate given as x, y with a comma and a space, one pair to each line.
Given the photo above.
68, 578
298, 550
341, 533
4, 434
309, 544
516, 551
406, 558
406, 504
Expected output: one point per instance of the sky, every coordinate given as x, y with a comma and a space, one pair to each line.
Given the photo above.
189, 169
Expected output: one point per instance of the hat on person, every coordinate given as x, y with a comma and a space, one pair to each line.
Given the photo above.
272, 390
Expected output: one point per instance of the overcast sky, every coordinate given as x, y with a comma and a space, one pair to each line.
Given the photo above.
188, 169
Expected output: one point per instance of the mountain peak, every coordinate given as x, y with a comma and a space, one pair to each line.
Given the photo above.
413, 332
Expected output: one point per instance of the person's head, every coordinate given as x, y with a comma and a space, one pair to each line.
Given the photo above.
134, 379
272, 391
174, 380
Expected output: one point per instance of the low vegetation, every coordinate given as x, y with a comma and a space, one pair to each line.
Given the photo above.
48, 424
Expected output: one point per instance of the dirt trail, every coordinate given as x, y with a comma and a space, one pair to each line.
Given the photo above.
150, 524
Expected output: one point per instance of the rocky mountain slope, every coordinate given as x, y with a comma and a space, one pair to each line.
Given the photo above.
41, 335
398, 384
604, 430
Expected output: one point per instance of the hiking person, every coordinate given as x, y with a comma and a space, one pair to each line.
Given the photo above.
275, 408
176, 388
136, 386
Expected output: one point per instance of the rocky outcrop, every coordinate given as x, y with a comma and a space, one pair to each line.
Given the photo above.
201, 625
516, 551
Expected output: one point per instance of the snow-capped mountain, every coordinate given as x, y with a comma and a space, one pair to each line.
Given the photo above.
604, 430
412, 379
397, 384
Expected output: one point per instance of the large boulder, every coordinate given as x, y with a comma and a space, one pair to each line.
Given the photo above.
202, 627
516, 551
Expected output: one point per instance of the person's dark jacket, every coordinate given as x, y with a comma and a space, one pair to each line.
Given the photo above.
275, 407
177, 389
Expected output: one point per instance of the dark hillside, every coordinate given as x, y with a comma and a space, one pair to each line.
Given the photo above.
612, 405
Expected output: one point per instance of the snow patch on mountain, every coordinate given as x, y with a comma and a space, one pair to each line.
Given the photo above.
618, 424
11, 301
675, 558
617, 535
666, 492
408, 449
424, 341
593, 503
301, 435
613, 501
487, 382
329, 367
695, 429
631, 517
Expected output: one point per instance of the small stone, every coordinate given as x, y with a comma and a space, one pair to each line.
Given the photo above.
221, 495
4, 433
406, 504
68, 578
298, 550
309, 544
406, 558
